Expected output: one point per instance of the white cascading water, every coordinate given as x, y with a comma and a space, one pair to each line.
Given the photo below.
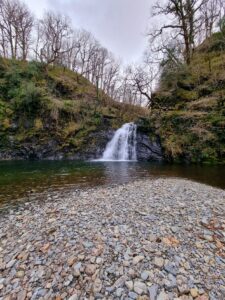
122, 147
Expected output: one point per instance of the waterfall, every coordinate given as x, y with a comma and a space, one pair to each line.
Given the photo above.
122, 147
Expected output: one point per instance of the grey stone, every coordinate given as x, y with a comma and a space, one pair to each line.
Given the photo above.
140, 287
22, 295
129, 285
153, 290
163, 296
159, 262
144, 275
119, 292
148, 149
74, 297
97, 285
11, 263
132, 295
171, 268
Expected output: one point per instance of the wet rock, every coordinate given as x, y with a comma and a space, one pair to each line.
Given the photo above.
148, 149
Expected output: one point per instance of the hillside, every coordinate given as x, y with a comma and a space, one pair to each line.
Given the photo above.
54, 113
189, 106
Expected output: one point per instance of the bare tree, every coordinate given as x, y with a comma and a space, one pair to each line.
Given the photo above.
143, 79
25, 23
16, 23
9, 28
185, 23
111, 77
54, 32
210, 12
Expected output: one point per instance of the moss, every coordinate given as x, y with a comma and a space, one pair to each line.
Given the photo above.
39, 106
38, 124
186, 95
71, 128
189, 107
5, 123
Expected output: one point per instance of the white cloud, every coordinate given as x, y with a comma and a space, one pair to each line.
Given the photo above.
37, 6
120, 25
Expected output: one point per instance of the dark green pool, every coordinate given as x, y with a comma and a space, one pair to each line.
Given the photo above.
18, 178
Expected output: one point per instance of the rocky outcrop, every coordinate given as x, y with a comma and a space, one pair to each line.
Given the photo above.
148, 149
95, 146
34, 149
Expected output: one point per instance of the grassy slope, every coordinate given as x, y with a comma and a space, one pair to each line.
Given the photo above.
191, 121
37, 105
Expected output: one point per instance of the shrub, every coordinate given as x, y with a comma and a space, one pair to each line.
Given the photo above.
31, 99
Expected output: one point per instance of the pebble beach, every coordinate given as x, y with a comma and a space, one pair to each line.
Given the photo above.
161, 239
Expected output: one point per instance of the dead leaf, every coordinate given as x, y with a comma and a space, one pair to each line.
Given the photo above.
171, 241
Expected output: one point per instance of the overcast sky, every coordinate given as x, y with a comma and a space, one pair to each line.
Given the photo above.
120, 25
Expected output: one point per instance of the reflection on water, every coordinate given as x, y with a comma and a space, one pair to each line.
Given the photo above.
19, 178
119, 171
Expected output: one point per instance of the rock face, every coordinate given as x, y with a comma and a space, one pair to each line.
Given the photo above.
52, 149
93, 148
148, 149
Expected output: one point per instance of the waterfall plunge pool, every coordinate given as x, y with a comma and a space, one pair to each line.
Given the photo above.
19, 178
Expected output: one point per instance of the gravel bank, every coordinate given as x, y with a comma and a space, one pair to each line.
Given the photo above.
159, 240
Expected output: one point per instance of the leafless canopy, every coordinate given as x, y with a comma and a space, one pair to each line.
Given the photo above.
53, 41
186, 21
16, 24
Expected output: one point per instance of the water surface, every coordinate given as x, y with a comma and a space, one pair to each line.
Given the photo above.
18, 179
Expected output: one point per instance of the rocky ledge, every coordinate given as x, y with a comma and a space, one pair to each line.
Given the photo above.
157, 240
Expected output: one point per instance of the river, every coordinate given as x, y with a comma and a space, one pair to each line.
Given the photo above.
20, 178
